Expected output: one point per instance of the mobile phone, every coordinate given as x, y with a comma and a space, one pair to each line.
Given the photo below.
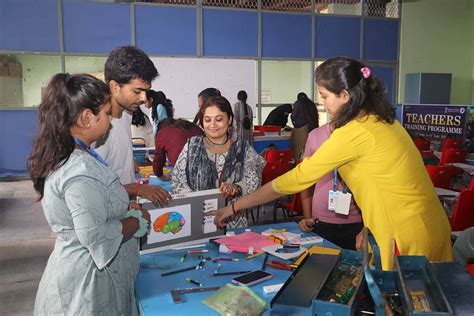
252, 278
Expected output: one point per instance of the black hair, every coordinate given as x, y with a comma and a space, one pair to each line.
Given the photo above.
127, 63
65, 99
220, 102
302, 96
242, 96
138, 118
209, 92
159, 97
366, 95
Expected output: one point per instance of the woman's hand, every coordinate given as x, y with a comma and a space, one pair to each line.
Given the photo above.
360, 240
221, 216
146, 215
306, 224
229, 190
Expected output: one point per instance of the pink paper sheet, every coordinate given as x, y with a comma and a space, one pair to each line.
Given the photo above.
242, 242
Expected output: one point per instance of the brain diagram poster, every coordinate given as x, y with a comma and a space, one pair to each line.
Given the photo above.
169, 223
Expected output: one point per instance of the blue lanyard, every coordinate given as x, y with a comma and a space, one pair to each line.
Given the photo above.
334, 180
334, 183
91, 151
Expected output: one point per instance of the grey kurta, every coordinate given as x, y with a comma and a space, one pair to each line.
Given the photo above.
90, 271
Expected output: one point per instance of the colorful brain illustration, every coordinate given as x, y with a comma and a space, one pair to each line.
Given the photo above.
169, 222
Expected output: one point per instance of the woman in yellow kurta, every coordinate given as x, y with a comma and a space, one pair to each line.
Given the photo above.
377, 160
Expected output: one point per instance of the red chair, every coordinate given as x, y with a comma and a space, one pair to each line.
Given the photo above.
452, 155
272, 170
422, 144
463, 214
451, 143
441, 176
285, 157
289, 208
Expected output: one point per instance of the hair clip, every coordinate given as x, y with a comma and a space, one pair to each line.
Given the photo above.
365, 72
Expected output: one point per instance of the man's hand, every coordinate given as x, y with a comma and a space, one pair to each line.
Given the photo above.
306, 224
155, 194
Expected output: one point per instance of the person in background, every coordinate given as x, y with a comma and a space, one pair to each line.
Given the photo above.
161, 108
128, 73
169, 142
243, 118
203, 96
279, 115
319, 216
95, 261
216, 161
142, 128
377, 160
305, 118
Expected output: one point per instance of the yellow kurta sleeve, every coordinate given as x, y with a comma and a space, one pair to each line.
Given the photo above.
338, 150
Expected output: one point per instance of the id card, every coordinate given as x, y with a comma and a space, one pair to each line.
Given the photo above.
332, 200
343, 203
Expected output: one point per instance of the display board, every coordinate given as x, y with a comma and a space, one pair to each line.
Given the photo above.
181, 79
182, 221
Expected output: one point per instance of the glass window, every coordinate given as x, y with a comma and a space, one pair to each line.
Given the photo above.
281, 83
23, 78
86, 64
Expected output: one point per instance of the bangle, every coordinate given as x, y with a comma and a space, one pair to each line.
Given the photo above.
233, 208
143, 223
137, 185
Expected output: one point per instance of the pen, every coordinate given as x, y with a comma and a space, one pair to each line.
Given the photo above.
226, 259
182, 258
230, 273
198, 251
265, 261
178, 271
255, 255
217, 269
194, 282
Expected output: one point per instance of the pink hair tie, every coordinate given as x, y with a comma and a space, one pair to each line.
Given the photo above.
365, 72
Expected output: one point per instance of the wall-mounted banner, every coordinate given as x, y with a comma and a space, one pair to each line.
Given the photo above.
434, 121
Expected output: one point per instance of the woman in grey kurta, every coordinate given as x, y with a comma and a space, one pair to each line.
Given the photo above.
90, 271
95, 260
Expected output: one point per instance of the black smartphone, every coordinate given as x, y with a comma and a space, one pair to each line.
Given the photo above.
252, 278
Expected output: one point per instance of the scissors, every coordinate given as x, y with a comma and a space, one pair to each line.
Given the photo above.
279, 265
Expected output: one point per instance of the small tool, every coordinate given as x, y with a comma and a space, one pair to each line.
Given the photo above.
194, 282
183, 257
176, 294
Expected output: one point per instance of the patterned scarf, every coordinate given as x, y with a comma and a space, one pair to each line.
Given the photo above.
201, 173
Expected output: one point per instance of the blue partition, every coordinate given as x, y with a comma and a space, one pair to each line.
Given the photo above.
30, 25
93, 27
337, 36
381, 39
387, 75
286, 35
230, 33
18, 128
166, 30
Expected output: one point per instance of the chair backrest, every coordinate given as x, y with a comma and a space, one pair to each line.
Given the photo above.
284, 156
422, 143
463, 214
441, 176
471, 184
296, 206
272, 170
451, 143
451, 155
